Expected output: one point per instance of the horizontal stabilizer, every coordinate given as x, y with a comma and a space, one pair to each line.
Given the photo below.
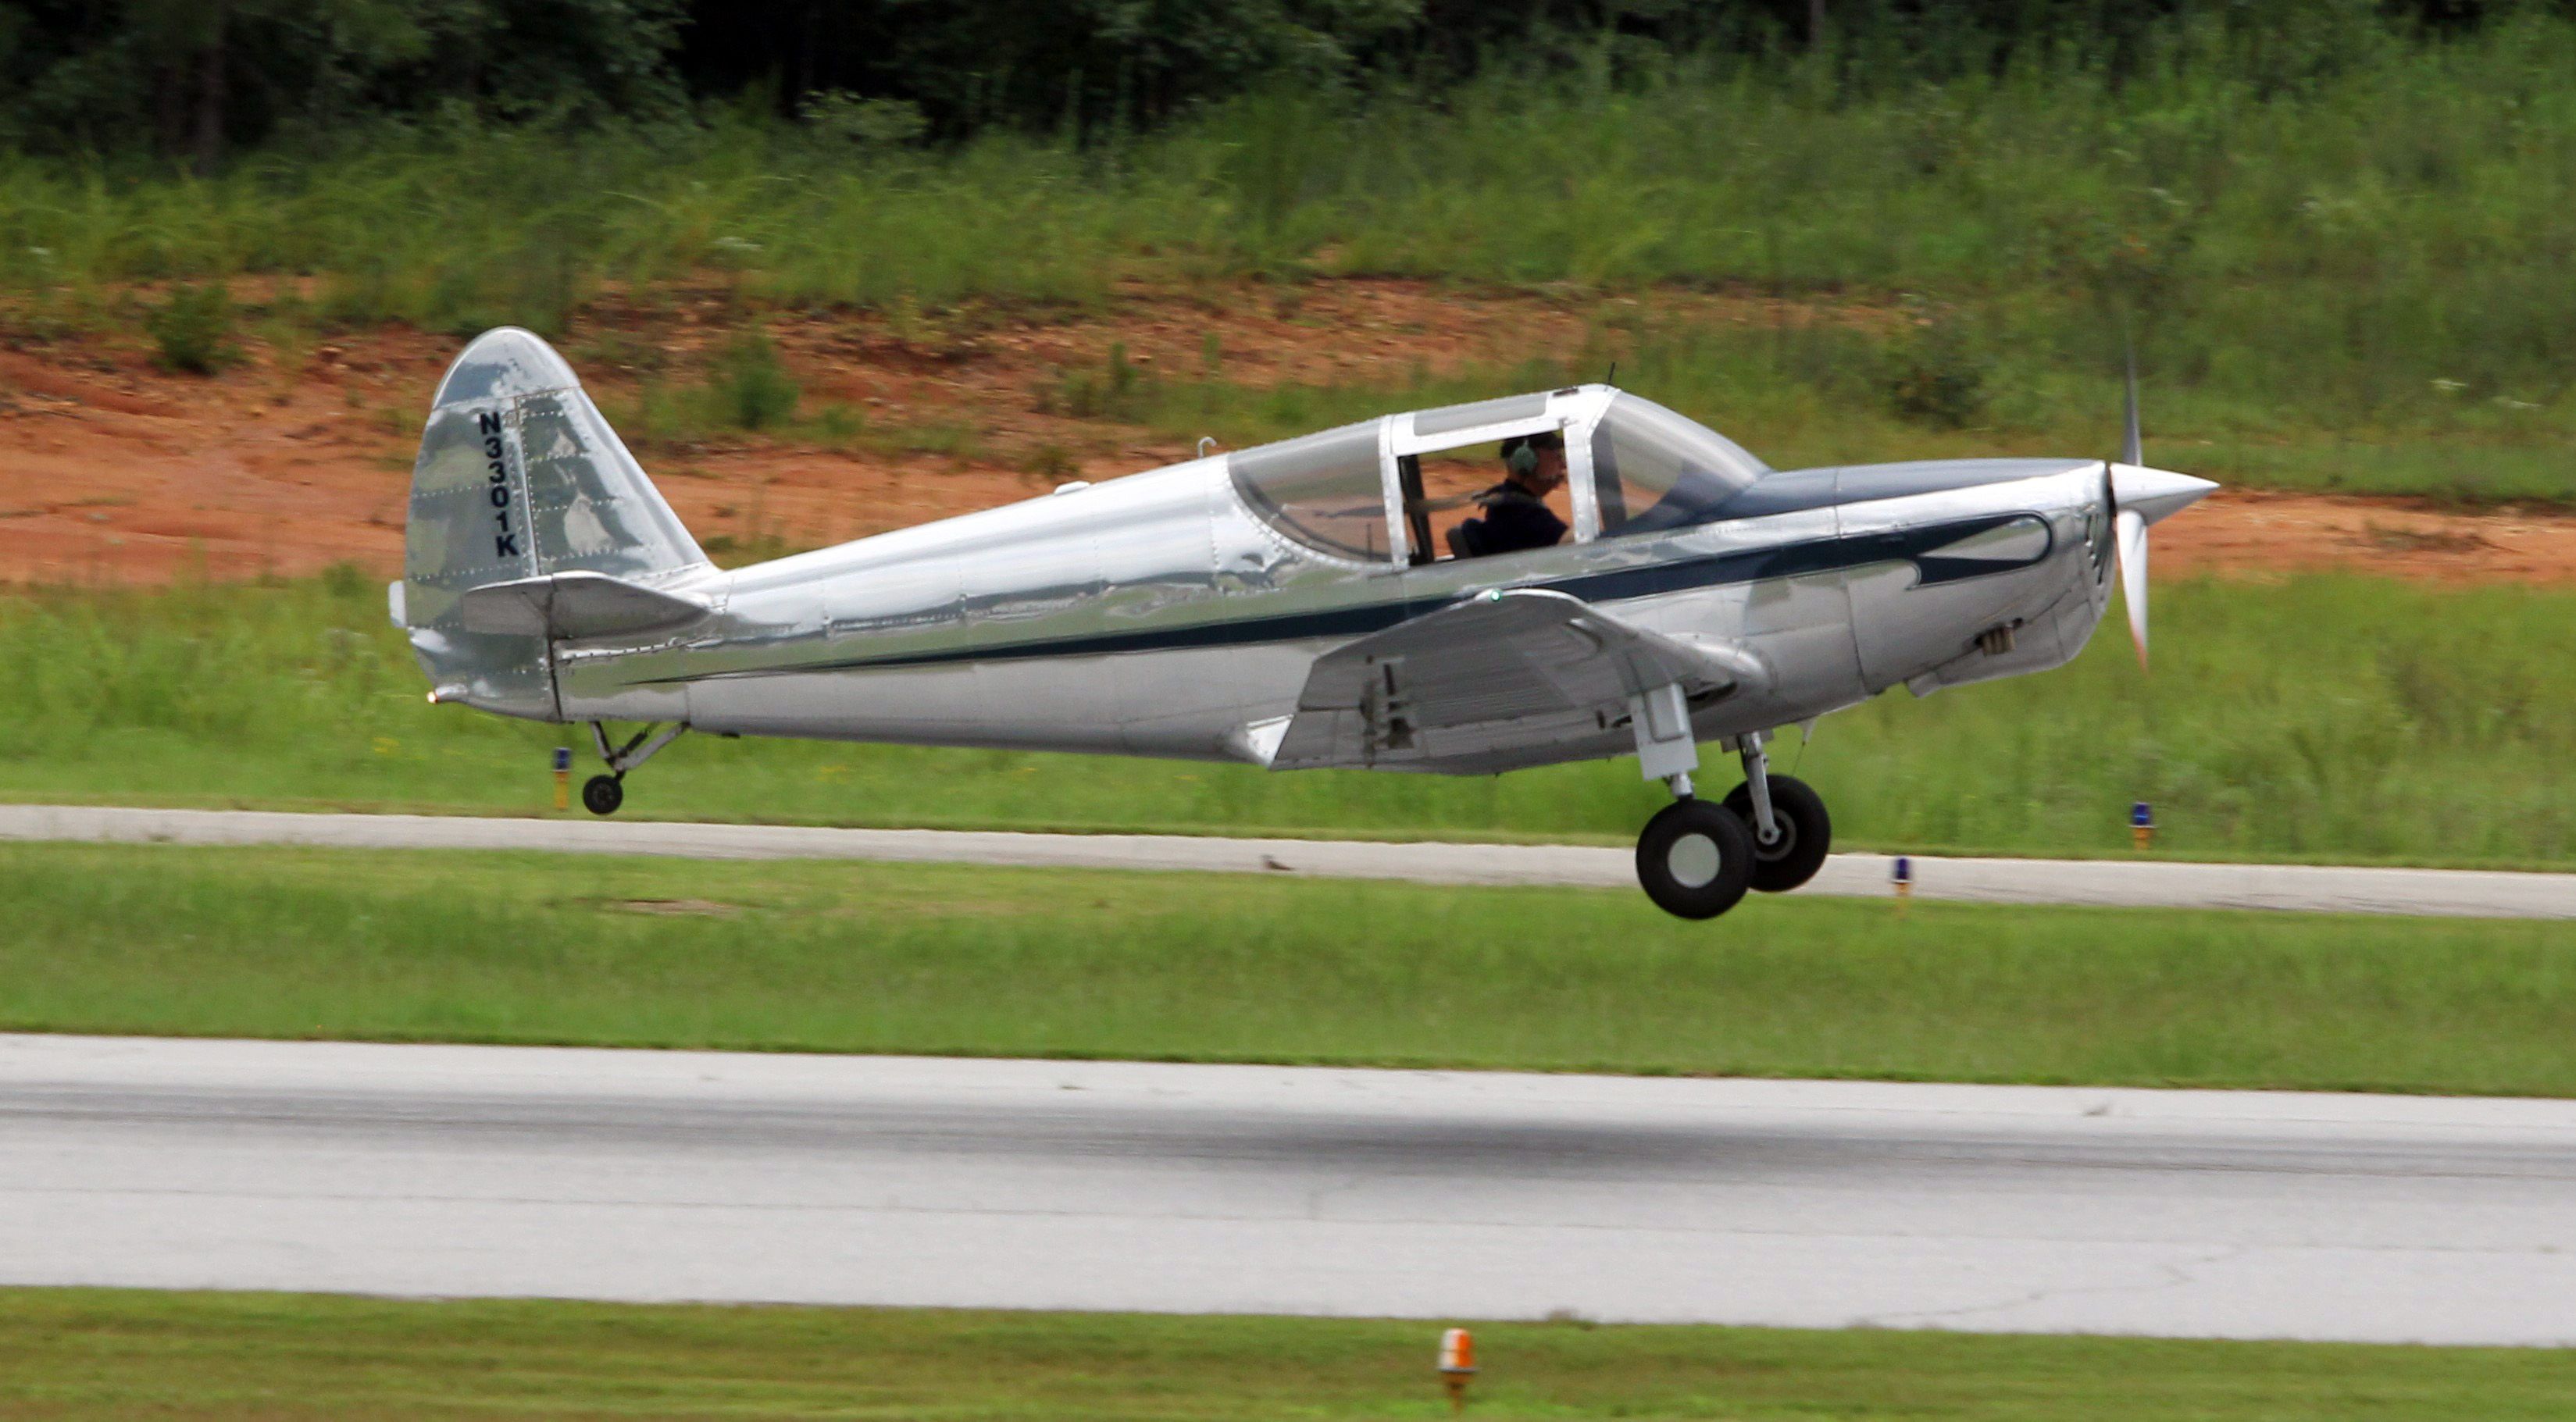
574, 605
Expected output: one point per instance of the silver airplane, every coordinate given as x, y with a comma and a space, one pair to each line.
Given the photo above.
1286, 606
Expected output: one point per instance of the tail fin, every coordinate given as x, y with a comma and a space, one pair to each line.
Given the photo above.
520, 478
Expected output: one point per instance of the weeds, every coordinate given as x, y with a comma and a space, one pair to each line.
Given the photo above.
1050, 462
1116, 391
193, 330
1934, 376
751, 389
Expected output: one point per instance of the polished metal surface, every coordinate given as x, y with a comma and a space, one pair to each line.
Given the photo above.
457, 1171
2109, 883
519, 479
1186, 611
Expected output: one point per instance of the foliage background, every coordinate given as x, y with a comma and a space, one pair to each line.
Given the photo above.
2337, 234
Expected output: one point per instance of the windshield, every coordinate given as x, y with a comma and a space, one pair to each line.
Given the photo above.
1653, 469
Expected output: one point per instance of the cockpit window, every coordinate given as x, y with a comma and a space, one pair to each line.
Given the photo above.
1508, 410
1653, 469
1323, 490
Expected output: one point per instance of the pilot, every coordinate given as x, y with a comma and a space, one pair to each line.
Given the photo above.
1516, 512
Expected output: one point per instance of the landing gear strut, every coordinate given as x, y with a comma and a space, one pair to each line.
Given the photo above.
602, 794
1695, 859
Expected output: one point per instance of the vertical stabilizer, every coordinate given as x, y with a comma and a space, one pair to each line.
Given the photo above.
520, 477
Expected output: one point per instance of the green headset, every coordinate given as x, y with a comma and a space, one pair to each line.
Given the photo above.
1519, 458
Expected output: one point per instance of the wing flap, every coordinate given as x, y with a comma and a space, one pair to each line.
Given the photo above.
1502, 670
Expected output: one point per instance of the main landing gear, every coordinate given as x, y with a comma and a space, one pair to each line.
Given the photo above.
602, 794
1695, 859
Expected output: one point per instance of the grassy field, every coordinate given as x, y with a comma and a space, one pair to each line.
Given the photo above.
91, 1353
907, 958
2323, 717
2343, 270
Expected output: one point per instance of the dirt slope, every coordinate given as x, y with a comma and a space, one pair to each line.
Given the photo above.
113, 472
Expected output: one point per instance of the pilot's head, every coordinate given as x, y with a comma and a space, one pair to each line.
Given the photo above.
1535, 463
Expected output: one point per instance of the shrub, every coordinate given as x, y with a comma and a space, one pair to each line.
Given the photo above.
1117, 391
194, 329
1937, 376
752, 390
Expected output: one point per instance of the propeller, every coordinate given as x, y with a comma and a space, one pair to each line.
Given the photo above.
2128, 526
2136, 496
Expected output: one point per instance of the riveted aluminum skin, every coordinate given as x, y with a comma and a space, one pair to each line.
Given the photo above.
1166, 614
519, 476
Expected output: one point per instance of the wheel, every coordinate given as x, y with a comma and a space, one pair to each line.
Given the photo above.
1806, 833
1695, 859
602, 794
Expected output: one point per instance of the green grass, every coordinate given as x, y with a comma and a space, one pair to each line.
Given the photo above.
941, 959
2350, 274
2321, 718
93, 1353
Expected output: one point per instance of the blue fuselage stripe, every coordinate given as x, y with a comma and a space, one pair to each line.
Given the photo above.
1617, 585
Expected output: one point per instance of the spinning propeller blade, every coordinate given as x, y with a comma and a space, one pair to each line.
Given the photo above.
2130, 528
2130, 451
2135, 496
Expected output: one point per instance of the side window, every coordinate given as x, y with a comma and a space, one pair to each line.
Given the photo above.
1446, 488
1322, 490
1653, 469
1449, 485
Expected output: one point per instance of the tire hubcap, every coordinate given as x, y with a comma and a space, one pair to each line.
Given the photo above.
1784, 837
1693, 860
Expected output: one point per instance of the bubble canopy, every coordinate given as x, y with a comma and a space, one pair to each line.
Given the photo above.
1635, 466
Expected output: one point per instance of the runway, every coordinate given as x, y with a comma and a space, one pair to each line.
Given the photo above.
441, 1170
2118, 883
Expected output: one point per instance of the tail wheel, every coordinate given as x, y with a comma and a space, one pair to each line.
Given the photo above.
1695, 859
1806, 833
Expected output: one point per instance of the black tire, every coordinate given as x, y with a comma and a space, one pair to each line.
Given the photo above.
602, 794
1695, 859
1806, 834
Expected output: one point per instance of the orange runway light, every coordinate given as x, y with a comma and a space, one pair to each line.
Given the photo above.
1457, 1365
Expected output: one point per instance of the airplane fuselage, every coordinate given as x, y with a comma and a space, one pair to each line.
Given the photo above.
1160, 615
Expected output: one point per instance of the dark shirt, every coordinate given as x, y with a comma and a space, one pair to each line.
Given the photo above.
1516, 519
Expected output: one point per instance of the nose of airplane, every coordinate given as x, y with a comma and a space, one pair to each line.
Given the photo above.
2156, 494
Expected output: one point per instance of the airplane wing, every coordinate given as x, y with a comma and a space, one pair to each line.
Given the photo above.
1491, 683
